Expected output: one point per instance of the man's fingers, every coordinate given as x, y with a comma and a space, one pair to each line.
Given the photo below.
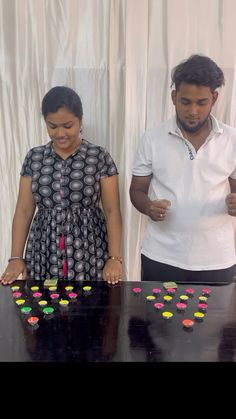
167, 202
161, 203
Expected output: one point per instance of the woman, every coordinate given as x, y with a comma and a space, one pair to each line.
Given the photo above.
70, 238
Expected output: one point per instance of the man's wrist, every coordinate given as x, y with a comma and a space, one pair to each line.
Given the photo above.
147, 208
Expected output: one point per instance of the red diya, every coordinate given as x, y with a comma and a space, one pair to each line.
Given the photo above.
187, 323
33, 320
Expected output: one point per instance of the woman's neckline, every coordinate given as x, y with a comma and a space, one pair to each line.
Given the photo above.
65, 156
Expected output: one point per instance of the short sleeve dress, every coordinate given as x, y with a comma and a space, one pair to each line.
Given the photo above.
67, 238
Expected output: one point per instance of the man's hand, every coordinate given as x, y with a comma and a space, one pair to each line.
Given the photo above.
230, 201
158, 209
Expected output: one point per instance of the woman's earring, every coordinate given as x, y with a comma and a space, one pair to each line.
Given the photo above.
81, 133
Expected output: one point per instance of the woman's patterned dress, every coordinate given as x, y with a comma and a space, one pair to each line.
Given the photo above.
67, 238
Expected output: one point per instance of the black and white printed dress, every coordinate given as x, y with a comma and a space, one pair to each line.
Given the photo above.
67, 238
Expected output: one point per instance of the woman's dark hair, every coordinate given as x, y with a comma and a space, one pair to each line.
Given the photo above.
199, 70
62, 97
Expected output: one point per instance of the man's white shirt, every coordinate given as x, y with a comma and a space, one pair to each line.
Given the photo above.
197, 233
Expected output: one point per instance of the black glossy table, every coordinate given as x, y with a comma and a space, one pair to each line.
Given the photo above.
113, 324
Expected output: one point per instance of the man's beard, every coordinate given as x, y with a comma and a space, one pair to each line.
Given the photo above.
190, 129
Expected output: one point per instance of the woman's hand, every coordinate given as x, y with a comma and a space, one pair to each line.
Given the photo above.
12, 272
112, 272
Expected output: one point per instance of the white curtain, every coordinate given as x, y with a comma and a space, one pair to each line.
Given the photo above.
118, 55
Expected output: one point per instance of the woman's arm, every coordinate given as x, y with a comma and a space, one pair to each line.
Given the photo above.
24, 212
112, 272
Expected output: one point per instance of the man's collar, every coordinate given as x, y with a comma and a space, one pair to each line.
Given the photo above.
215, 125
175, 130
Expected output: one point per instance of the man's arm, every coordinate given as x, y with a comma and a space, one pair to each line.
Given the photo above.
139, 193
231, 198
139, 187
232, 183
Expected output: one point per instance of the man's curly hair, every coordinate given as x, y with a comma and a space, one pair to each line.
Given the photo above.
199, 70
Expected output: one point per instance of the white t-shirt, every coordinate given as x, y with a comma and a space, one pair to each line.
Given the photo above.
197, 232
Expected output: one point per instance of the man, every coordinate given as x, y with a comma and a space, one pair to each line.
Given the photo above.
184, 180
